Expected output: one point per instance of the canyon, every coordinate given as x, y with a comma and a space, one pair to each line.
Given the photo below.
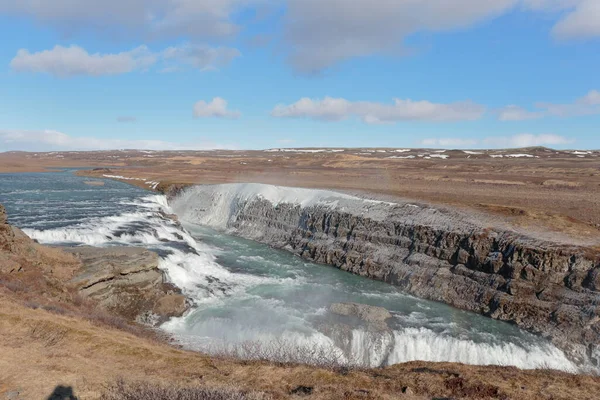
440, 254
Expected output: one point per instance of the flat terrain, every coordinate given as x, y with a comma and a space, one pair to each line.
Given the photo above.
554, 193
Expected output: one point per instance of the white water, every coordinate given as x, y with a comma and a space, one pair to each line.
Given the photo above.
245, 292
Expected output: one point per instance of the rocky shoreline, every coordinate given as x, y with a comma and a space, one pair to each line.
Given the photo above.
546, 288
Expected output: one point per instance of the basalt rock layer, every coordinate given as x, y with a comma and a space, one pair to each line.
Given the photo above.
128, 282
444, 255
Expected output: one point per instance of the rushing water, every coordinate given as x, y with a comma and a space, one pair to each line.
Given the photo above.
244, 291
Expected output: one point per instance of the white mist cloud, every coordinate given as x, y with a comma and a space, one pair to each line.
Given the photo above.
47, 140
321, 33
582, 22
516, 141
516, 113
156, 19
336, 109
201, 57
586, 105
315, 33
215, 108
72, 61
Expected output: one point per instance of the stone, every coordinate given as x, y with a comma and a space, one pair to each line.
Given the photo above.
128, 282
172, 305
366, 313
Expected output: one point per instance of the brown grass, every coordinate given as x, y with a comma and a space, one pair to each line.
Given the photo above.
41, 350
149, 391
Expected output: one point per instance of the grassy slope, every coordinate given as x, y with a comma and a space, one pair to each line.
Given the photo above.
41, 350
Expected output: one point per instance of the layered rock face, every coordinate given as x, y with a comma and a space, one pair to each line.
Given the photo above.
127, 281
442, 255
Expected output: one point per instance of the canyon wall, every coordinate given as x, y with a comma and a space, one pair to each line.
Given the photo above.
438, 254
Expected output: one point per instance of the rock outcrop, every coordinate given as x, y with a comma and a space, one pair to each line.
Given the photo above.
6, 232
124, 280
14, 246
127, 281
547, 288
366, 313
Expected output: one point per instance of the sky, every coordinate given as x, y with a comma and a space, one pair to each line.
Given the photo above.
258, 74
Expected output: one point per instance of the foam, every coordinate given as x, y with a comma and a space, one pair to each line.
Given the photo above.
424, 345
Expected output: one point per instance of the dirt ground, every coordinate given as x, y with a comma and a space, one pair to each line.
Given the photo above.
533, 189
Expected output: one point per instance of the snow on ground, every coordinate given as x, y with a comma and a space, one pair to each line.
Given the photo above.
513, 156
123, 178
305, 150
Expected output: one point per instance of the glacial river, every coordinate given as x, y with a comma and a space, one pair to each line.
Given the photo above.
245, 292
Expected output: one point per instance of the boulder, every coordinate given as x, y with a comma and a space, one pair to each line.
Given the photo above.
360, 331
364, 312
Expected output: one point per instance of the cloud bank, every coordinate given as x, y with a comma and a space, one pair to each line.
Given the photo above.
66, 62
336, 109
316, 34
48, 140
503, 142
586, 105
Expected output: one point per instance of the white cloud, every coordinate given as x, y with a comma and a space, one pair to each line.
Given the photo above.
586, 105
215, 108
591, 99
316, 33
50, 140
72, 61
320, 33
582, 22
516, 141
335, 109
516, 113
149, 18
201, 57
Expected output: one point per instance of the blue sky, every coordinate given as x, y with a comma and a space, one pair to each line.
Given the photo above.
253, 74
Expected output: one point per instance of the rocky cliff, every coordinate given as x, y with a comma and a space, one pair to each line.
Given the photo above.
547, 288
123, 280
127, 282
